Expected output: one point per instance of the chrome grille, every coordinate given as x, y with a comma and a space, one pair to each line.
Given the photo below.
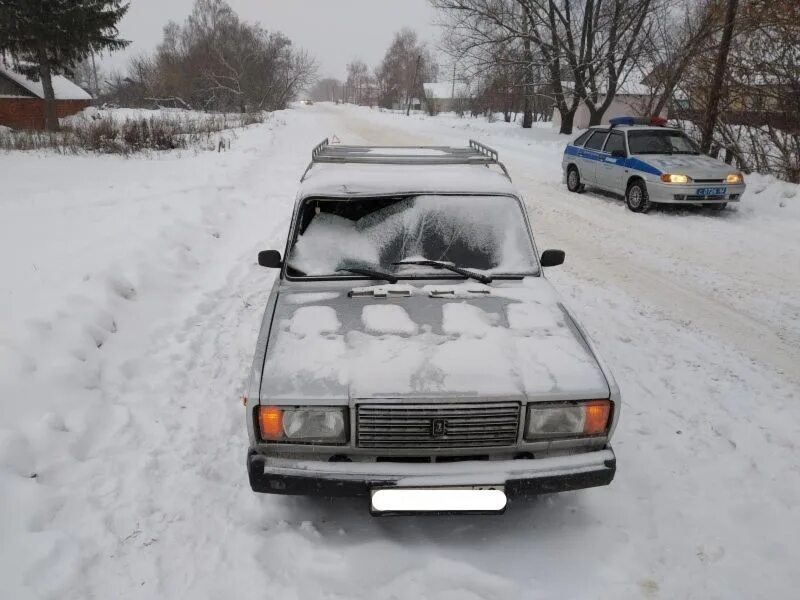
437, 425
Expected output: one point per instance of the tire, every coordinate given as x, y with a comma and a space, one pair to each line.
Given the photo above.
637, 198
719, 207
574, 180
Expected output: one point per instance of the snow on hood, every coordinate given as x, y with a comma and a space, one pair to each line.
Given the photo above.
696, 166
516, 343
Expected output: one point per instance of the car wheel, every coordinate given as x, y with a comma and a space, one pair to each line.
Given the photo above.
719, 207
574, 180
637, 198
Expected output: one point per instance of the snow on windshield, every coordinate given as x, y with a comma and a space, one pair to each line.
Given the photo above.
478, 232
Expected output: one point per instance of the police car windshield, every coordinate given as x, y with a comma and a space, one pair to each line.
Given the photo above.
654, 141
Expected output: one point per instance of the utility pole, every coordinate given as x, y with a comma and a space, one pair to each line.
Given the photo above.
96, 85
413, 85
453, 93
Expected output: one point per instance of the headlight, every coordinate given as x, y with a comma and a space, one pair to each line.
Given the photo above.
674, 178
304, 424
734, 178
551, 420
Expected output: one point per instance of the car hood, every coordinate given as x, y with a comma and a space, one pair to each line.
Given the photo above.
695, 166
509, 341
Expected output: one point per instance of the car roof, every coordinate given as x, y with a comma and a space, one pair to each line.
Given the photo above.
623, 128
345, 171
346, 180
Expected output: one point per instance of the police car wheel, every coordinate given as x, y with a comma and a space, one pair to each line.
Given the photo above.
637, 197
574, 180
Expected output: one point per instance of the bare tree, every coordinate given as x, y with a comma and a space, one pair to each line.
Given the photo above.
590, 44
492, 41
406, 65
720, 68
759, 124
680, 33
357, 79
215, 61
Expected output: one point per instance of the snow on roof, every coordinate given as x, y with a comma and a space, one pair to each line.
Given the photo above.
370, 179
64, 88
632, 86
444, 90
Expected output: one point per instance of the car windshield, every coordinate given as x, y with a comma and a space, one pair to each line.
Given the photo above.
487, 234
660, 142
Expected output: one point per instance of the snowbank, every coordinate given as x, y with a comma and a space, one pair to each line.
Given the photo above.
767, 195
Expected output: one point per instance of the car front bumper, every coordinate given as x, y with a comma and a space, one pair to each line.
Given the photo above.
671, 193
519, 477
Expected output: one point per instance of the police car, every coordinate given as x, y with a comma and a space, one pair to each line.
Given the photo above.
649, 163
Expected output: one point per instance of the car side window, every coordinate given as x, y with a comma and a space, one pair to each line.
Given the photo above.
582, 138
615, 142
596, 141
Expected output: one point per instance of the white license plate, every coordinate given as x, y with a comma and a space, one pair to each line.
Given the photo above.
712, 191
439, 500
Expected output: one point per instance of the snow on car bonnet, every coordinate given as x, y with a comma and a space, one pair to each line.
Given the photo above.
523, 346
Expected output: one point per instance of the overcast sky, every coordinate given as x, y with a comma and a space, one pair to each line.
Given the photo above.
335, 31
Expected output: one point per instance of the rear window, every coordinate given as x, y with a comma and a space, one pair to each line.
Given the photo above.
596, 141
582, 138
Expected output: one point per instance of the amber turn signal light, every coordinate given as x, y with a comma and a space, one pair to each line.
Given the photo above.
270, 423
597, 413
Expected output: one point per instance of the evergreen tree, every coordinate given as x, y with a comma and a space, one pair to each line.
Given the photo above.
49, 37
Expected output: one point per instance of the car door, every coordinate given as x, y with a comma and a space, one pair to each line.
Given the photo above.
590, 156
609, 170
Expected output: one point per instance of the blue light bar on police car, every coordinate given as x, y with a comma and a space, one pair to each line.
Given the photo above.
658, 121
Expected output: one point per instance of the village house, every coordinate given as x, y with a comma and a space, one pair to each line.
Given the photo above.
446, 96
632, 99
22, 99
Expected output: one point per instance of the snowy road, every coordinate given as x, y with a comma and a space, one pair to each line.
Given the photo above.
131, 334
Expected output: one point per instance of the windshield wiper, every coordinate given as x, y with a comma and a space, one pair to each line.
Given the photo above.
370, 273
443, 265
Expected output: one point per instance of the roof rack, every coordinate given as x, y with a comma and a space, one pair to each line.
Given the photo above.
475, 154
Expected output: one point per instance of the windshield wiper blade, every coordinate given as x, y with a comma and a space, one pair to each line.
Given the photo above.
443, 265
370, 273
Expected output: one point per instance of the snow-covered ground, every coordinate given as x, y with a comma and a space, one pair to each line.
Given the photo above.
131, 302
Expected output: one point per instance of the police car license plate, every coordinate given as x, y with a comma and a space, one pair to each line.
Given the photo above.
712, 191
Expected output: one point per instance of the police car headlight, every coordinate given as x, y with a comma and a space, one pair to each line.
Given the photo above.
734, 178
675, 178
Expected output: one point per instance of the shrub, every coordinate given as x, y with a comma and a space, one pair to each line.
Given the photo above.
100, 132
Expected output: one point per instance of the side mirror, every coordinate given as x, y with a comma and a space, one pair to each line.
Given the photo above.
552, 258
270, 259
618, 154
